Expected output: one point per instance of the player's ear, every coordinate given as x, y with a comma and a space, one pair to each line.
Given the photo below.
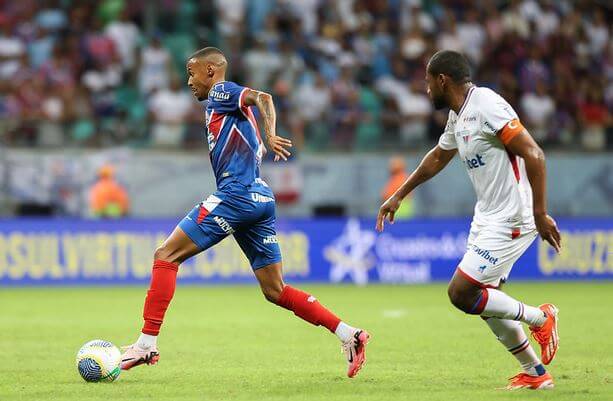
442, 81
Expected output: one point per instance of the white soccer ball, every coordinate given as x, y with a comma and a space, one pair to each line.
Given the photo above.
99, 361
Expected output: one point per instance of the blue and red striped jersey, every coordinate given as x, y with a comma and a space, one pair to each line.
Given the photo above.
235, 144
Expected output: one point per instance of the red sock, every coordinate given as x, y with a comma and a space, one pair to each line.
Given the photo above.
161, 291
306, 307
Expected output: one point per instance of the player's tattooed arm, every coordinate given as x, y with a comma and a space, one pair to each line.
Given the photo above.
525, 147
263, 101
434, 161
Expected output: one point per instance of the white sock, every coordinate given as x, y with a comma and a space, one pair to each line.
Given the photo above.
146, 341
511, 334
344, 332
502, 306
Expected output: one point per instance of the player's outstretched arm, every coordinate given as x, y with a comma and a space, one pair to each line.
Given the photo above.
525, 147
432, 163
263, 101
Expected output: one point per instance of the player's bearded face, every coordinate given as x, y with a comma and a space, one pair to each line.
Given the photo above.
439, 101
435, 91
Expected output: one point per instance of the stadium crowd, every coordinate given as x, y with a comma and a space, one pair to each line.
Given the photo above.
345, 74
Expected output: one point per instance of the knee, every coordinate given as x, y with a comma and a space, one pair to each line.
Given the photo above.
461, 299
163, 252
272, 292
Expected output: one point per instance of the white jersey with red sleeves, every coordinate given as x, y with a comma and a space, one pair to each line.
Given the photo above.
504, 195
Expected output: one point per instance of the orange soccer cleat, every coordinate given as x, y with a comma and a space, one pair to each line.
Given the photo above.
524, 380
547, 334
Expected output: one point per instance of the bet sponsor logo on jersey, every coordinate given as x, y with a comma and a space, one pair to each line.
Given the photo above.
474, 162
485, 254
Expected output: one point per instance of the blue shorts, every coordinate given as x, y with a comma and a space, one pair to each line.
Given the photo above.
249, 216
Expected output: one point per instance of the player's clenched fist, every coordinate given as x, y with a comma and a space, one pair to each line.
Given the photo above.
278, 145
387, 210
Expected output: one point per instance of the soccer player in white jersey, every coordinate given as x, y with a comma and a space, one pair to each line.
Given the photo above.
507, 170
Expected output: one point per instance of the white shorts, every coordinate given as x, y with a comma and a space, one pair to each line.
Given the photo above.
492, 251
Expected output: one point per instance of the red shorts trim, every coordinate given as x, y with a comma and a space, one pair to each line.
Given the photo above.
474, 280
202, 214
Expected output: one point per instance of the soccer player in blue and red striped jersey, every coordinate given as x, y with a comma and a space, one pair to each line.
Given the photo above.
242, 206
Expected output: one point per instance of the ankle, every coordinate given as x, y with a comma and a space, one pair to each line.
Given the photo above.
146, 341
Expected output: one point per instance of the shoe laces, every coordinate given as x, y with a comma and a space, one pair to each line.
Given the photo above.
347, 347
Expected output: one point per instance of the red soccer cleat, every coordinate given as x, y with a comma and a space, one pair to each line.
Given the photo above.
134, 356
355, 351
547, 334
524, 380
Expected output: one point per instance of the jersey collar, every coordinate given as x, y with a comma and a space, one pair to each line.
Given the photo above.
470, 91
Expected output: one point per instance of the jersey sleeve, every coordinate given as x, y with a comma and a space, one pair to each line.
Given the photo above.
447, 140
499, 118
227, 97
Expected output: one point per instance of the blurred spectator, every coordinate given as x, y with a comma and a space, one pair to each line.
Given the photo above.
306, 11
52, 18
397, 177
514, 22
595, 117
51, 130
449, 38
99, 47
472, 35
598, 33
537, 108
11, 49
292, 64
126, 36
413, 45
533, 70
155, 66
58, 70
169, 109
346, 112
108, 198
548, 21
231, 15
41, 47
312, 100
415, 109
101, 81
261, 63
413, 15
493, 23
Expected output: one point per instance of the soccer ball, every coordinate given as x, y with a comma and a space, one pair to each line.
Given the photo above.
99, 361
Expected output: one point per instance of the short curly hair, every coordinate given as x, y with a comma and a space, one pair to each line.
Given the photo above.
451, 63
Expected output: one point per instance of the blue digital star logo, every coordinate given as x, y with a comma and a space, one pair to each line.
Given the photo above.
481, 268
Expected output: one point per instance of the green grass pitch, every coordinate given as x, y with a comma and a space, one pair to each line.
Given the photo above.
223, 343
